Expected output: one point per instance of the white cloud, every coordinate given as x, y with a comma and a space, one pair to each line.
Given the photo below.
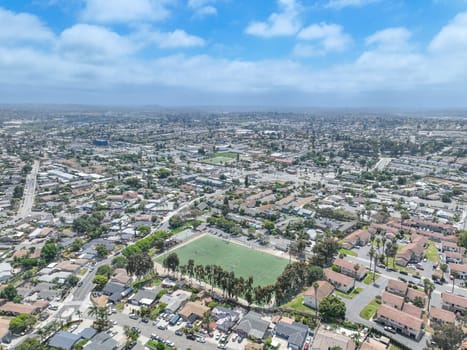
283, 23
89, 42
178, 38
203, 8
390, 39
17, 27
325, 38
452, 37
340, 4
121, 11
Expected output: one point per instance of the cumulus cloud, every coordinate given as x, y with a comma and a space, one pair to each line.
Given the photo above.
283, 23
174, 39
324, 38
20, 27
390, 39
91, 42
452, 37
340, 4
93, 57
122, 11
203, 8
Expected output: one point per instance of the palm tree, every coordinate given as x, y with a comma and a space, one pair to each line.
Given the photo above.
429, 288
444, 268
101, 315
372, 253
315, 287
374, 267
356, 267
79, 314
453, 277
207, 319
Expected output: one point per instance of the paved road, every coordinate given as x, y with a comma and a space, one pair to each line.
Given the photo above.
382, 163
181, 342
81, 293
29, 192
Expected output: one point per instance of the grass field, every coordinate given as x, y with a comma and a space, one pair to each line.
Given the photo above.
369, 310
222, 157
369, 278
232, 257
297, 305
347, 252
431, 252
350, 295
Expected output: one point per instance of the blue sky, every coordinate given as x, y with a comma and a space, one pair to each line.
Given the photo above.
324, 53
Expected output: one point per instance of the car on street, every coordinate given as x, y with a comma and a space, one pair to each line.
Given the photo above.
133, 316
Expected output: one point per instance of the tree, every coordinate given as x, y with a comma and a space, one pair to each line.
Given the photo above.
247, 181
100, 281
31, 344
332, 309
419, 302
101, 250
104, 270
448, 337
72, 280
175, 221
119, 262
100, 313
171, 262
443, 268
453, 277
429, 289
356, 267
49, 252
139, 264
315, 287
462, 240
21, 323
76, 245
9, 292
372, 253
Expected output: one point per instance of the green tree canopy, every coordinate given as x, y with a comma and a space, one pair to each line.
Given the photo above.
49, 252
332, 309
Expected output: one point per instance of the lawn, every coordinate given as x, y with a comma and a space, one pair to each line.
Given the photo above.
264, 267
369, 310
431, 252
347, 252
297, 305
369, 278
350, 295
186, 224
222, 157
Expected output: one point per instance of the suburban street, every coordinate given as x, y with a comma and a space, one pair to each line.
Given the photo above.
29, 192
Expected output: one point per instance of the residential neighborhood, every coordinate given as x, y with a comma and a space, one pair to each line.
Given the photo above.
154, 230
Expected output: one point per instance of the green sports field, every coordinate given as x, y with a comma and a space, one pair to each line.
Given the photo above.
264, 267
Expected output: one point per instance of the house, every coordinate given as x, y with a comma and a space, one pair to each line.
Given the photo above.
410, 253
295, 333
392, 300
348, 268
413, 310
339, 281
453, 257
441, 316
454, 303
397, 287
461, 270
325, 339
324, 289
64, 340
116, 291
102, 341
225, 318
412, 294
6, 271
175, 300
451, 247
121, 276
193, 311
11, 308
5, 334
252, 325
144, 297
356, 238
402, 322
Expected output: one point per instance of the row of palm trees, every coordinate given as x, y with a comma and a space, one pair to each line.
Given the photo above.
295, 277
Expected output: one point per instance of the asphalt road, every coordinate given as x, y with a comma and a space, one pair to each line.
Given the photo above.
181, 342
29, 191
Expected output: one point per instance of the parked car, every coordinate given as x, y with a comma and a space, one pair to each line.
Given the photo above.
133, 316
